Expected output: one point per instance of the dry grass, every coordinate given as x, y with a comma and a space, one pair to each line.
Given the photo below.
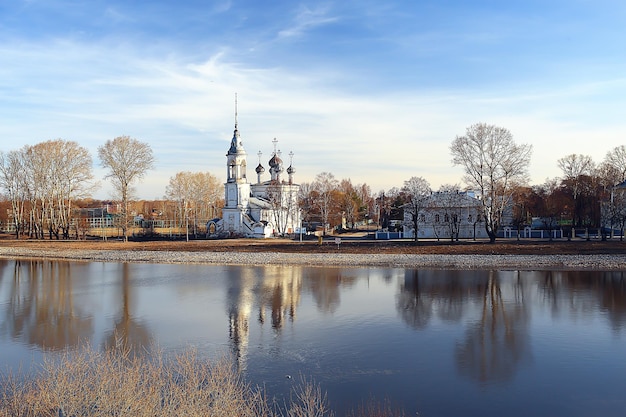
91, 383
117, 383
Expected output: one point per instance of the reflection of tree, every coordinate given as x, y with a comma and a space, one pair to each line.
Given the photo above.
128, 334
41, 308
324, 285
495, 346
613, 297
414, 306
582, 292
425, 293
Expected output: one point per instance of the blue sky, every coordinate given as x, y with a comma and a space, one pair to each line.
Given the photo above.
367, 90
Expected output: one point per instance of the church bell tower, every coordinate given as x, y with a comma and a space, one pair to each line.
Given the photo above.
237, 188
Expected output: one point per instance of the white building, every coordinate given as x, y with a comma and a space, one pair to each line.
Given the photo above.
447, 215
262, 209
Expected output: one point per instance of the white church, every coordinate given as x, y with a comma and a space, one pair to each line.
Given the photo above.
262, 209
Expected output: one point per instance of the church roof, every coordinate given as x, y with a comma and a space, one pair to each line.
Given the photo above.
257, 202
236, 145
275, 161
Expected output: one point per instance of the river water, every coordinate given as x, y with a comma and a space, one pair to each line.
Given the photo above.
437, 342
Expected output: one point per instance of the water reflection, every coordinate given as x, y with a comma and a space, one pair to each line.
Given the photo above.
576, 293
39, 308
496, 345
496, 338
128, 333
272, 289
392, 330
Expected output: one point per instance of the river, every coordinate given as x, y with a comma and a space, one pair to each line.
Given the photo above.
437, 342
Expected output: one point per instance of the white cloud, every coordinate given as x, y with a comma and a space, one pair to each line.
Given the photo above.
307, 19
365, 127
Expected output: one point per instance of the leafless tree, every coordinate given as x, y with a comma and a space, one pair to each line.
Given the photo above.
306, 198
576, 168
284, 201
493, 162
54, 174
72, 179
12, 180
325, 184
179, 191
197, 197
417, 191
364, 193
616, 159
128, 160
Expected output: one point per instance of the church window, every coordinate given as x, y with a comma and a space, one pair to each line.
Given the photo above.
436, 218
422, 218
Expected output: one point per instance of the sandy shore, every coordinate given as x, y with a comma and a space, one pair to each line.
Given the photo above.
458, 261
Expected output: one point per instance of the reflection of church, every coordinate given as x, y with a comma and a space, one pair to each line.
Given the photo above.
273, 288
262, 209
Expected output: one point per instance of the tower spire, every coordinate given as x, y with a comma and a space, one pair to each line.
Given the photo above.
235, 111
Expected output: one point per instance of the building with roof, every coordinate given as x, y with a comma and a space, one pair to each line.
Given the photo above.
262, 209
447, 215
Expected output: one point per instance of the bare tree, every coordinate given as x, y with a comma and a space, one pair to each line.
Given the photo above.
615, 211
13, 181
128, 160
616, 159
179, 191
55, 173
208, 194
493, 162
72, 179
368, 203
283, 199
306, 198
325, 184
576, 169
417, 191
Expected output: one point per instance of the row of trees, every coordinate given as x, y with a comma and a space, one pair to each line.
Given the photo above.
43, 183
496, 169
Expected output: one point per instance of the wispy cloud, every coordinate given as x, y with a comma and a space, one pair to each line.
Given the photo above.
377, 109
307, 19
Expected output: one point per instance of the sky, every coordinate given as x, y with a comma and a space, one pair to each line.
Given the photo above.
371, 91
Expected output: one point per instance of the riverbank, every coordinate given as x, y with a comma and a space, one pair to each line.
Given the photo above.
579, 255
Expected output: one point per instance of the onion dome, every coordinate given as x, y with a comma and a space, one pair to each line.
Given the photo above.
275, 161
291, 170
259, 169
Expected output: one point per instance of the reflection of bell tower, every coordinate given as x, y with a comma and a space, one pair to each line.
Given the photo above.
240, 300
